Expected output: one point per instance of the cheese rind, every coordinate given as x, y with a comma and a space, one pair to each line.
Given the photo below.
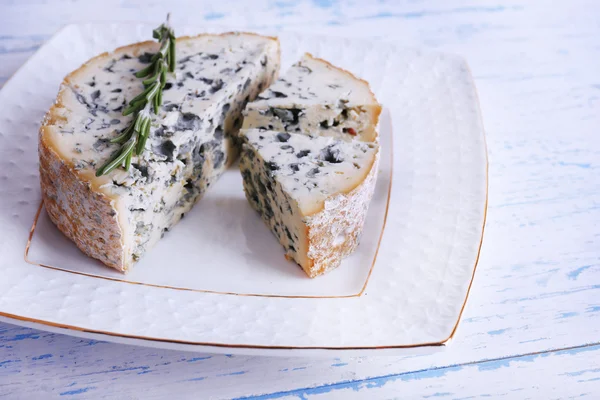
116, 218
317, 97
312, 191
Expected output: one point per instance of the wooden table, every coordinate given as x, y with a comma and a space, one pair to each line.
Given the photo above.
531, 328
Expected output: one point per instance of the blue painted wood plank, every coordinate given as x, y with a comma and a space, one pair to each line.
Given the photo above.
475, 370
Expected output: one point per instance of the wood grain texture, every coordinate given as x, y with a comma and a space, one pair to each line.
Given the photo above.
39, 365
564, 374
538, 281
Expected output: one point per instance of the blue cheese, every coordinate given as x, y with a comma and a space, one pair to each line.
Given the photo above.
313, 192
317, 97
118, 217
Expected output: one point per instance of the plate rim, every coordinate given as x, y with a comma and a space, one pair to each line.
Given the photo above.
149, 341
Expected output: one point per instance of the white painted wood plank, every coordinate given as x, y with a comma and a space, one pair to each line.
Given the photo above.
44, 365
36, 363
559, 375
538, 280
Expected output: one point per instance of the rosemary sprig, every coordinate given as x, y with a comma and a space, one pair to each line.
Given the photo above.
133, 138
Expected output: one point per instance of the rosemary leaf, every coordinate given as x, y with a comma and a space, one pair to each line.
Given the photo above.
117, 158
163, 78
139, 119
172, 53
128, 161
155, 103
151, 80
163, 50
133, 108
141, 96
159, 98
143, 137
144, 72
123, 137
155, 88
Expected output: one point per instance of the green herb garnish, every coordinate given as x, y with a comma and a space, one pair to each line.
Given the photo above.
133, 138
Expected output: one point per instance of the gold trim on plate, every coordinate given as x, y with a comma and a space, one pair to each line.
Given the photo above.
485, 207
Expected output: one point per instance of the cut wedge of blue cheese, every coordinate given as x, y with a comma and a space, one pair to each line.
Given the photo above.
312, 191
116, 218
318, 98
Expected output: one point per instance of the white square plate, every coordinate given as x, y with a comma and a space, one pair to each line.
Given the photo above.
218, 281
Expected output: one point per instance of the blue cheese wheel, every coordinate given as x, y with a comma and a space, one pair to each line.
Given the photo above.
318, 98
313, 192
118, 217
